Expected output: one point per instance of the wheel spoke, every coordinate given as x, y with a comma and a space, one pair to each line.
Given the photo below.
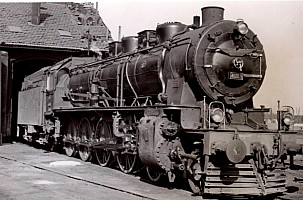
153, 174
126, 162
103, 134
69, 130
103, 157
85, 135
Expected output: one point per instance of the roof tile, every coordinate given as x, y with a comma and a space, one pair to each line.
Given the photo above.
53, 17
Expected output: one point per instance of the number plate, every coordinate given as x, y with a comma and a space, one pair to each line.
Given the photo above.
235, 76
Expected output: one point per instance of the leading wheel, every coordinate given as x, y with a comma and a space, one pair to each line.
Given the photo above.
194, 177
103, 134
85, 130
153, 174
127, 162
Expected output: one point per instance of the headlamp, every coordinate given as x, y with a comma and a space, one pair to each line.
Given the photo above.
241, 27
217, 115
288, 119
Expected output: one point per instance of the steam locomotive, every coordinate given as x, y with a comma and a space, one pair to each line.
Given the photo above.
177, 100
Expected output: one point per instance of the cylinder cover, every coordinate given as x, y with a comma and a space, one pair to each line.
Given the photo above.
155, 148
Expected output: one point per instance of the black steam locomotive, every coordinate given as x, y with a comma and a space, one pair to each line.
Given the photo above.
177, 99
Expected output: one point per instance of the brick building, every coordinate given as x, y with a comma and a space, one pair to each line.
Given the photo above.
35, 35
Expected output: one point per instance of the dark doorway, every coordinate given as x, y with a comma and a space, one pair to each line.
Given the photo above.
21, 69
5, 97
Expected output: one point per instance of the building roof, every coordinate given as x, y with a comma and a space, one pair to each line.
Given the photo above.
59, 27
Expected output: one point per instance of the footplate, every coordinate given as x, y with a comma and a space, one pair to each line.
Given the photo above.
243, 179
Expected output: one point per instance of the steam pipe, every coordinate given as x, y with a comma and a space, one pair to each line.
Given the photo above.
119, 34
279, 116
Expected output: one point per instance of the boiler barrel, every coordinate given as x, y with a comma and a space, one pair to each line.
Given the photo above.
140, 76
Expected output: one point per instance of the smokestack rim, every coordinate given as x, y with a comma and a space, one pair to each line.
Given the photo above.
216, 7
211, 14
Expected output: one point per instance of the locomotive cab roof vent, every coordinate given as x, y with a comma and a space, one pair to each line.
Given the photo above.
167, 30
115, 48
129, 43
212, 14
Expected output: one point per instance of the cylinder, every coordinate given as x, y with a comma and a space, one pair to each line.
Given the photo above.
212, 14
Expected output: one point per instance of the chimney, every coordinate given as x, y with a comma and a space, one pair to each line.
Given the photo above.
119, 34
212, 14
36, 13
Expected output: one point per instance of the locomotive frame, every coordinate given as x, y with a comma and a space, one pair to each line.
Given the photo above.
177, 100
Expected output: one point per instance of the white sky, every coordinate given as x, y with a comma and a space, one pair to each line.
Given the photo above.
278, 24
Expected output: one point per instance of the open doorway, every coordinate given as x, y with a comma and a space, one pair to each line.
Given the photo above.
21, 69
5, 98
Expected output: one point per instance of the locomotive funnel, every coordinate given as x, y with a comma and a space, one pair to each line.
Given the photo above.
212, 14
